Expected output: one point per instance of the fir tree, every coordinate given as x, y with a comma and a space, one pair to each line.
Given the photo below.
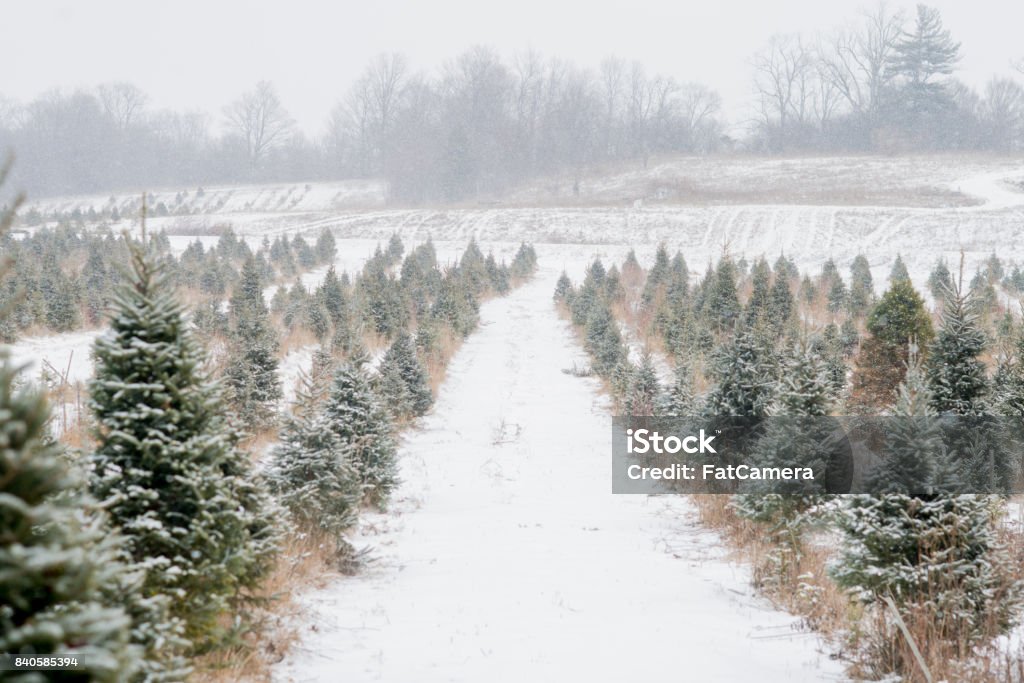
166, 464
356, 417
644, 390
313, 471
402, 357
956, 375
680, 400
745, 379
252, 364
61, 580
898, 273
940, 281
563, 287
894, 322
862, 290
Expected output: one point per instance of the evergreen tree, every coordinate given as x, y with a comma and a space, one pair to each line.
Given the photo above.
781, 304
326, 247
563, 288
940, 281
356, 417
914, 440
939, 558
760, 294
645, 390
252, 363
313, 471
921, 57
603, 340
898, 273
402, 356
61, 581
745, 378
680, 400
956, 375
657, 277
722, 305
862, 289
166, 463
898, 318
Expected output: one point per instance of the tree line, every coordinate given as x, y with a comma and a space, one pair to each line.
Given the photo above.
480, 123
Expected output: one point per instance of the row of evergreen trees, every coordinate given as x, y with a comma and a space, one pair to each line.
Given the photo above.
917, 540
63, 278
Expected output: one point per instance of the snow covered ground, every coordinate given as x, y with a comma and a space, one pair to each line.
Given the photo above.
506, 557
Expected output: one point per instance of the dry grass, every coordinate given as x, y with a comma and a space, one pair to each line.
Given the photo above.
308, 560
868, 636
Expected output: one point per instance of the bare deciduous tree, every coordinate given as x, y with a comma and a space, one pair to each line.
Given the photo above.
781, 79
261, 120
855, 60
122, 102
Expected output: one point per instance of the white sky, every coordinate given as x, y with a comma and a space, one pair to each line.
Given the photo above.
202, 53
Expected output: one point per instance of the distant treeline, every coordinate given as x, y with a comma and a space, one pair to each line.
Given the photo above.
886, 82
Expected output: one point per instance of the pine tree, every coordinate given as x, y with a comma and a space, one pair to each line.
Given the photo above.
401, 355
721, 303
644, 390
914, 440
656, 277
61, 580
326, 247
938, 558
921, 57
252, 363
898, 273
356, 417
563, 288
743, 370
760, 295
898, 319
602, 339
956, 375
166, 464
862, 290
680, 400
781, 304
940, 281
313, 471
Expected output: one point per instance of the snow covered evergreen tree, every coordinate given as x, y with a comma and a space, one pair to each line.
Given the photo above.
956, 374
357, 418
401, 359
60, 575
644, 390
251, 371
166, 464
313, 471
680, 400
744, 372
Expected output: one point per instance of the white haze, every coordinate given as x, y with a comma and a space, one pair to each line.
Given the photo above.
202, 54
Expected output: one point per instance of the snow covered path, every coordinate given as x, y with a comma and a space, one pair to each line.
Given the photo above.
506, 557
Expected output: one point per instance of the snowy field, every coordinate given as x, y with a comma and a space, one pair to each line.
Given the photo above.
505, 556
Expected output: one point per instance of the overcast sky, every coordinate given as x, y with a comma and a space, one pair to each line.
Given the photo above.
202, 53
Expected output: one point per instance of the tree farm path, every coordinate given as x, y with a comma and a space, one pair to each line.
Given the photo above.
505, 557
